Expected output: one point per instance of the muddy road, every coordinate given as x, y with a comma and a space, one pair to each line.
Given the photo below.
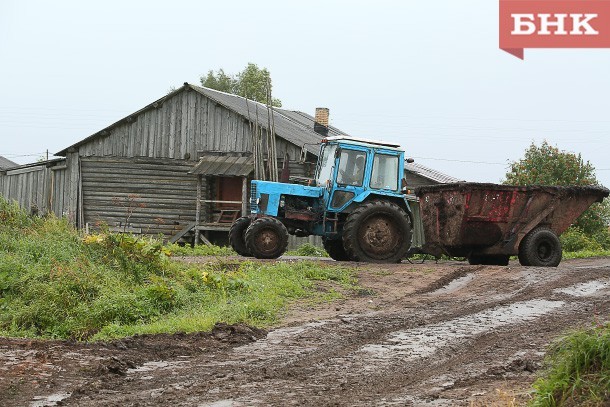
424, 335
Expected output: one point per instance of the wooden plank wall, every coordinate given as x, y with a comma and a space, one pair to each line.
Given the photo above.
38, 188
181, 128
159, 192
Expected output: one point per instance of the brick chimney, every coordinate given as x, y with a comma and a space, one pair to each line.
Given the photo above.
321, 118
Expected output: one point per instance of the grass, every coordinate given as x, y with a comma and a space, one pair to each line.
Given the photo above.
200, 250
577, 372
55, 283
586, 253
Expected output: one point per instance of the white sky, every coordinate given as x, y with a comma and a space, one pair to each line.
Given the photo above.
427, 74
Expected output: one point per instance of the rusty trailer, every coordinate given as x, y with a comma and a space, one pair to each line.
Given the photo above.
488, 223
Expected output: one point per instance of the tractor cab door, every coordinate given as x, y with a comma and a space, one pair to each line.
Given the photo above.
350, 169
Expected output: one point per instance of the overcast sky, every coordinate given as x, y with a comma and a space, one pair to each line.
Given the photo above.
427, 74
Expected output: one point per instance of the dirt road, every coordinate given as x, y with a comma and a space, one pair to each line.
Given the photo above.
424, 335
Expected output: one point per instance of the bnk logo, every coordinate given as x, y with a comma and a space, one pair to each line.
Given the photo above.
553, 24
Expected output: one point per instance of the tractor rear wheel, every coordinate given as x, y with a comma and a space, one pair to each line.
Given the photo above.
237, 238
335, 249
540, 247
377, 232
266, 238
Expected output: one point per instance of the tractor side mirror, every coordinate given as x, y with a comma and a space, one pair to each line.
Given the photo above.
410, 160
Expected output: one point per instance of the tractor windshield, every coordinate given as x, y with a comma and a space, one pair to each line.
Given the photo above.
385, 172
326, 163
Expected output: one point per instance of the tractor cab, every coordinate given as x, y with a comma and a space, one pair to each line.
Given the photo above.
352, 169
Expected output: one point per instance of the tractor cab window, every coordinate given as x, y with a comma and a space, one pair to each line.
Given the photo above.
326, 164
351, 167
385, 172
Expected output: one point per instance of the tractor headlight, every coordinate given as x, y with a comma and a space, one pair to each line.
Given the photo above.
282, 201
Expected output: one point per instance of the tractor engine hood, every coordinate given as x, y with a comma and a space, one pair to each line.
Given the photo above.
266, 195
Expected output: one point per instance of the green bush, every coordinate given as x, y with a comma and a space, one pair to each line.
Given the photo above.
578, 370
575, 240
55, 283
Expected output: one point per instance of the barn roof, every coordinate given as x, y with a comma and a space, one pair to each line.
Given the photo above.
5, 163
295, 127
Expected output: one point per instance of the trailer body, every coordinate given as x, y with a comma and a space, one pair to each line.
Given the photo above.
489, 221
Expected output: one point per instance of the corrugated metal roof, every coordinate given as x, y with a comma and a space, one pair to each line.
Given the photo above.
5, 163
223, 165
430, 174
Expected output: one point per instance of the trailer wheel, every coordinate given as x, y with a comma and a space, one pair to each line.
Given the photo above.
266, 238
377, 232
335, 249
237, 238
540, 247
496, 260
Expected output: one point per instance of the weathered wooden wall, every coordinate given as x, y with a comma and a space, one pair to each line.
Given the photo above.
39, 188
151, 196
179, 128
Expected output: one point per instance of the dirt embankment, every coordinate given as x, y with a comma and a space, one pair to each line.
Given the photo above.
416, 334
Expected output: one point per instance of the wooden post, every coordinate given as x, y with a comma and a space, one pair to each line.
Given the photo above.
198, 209
244, 196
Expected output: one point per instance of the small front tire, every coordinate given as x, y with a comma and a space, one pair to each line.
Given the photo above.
266, 238
237, 238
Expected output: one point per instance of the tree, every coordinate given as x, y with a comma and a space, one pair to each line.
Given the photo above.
251, 83
547, 165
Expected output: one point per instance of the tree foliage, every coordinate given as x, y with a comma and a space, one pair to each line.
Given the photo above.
250, 83
547, 165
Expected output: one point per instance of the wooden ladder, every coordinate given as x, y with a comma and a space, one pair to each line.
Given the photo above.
228, 215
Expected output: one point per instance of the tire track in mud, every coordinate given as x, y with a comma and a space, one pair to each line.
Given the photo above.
446, 344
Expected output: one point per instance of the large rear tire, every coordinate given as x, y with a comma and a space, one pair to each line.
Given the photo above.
266, 238
540, 247
237, 238
335, 249
377, 232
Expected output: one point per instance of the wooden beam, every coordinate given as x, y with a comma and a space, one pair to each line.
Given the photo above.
244, 196
198, 207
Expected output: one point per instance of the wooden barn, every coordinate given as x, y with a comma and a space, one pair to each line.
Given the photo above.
181, 163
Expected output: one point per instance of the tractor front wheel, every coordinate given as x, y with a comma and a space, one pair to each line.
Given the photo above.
377, 232
237, 238
266, 238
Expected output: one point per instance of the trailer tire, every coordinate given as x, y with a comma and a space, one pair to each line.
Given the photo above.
266, 238
377, 232
237, 236
540, 247
335, 249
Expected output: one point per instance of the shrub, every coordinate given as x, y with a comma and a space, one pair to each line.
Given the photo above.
575, 240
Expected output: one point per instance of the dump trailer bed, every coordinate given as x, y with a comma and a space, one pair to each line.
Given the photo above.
487, 223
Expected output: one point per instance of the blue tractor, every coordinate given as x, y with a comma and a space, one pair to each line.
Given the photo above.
355, 204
